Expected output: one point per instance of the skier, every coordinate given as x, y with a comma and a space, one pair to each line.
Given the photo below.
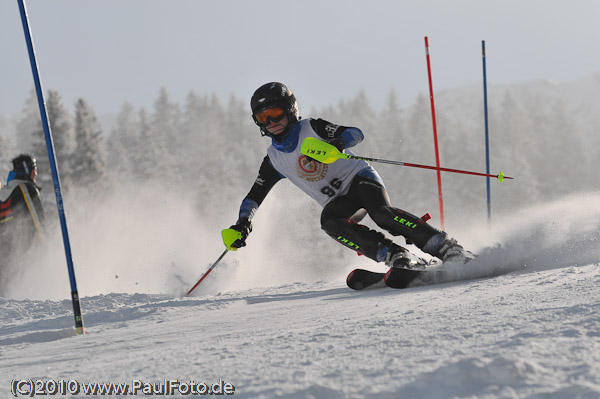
348, 190
21, 213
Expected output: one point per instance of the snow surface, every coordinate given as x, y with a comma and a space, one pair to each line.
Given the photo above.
532, 333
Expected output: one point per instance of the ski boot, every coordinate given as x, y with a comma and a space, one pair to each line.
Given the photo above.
451, 251
398, 256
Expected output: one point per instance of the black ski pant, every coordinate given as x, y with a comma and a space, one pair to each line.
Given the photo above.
340, 218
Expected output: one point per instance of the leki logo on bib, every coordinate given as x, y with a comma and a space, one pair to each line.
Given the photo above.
310, 170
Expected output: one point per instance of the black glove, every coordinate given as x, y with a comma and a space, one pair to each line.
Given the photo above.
244, 226
337, 143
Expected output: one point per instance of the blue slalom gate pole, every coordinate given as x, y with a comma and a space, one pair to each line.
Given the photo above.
487, 142
53, 167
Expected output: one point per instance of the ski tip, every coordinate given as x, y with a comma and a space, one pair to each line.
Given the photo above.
349, 278
360, 279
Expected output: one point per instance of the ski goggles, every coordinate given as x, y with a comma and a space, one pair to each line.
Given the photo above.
274, 114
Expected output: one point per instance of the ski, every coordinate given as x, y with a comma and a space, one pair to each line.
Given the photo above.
422, 272
399, 277
361, 279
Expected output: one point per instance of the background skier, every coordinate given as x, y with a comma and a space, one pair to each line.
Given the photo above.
21, 214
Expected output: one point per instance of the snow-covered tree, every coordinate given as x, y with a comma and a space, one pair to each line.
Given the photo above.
164, 126
122, 142
516, 127
165, 121
389, 128
7, 153
89, 158
28, 122
249, 148
62, 134
150, 155
565, 160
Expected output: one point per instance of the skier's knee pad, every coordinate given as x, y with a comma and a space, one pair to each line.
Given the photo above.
399, 222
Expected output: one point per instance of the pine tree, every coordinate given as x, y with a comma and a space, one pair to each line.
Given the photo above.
163, 129
517, 129
7, 153
565, 163
217, 152
29, 122
150, 155
165, 122
89, 158
389, 128
122, 142
248, 152
62, 136
62, 133
191, 143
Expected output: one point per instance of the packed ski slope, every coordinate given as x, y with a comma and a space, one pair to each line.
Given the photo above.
532, 333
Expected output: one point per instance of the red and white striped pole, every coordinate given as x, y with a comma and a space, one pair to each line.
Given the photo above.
435, 139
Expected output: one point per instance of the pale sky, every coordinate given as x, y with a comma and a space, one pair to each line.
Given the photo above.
112, 51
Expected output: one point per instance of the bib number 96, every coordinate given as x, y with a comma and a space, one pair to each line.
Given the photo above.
333, 187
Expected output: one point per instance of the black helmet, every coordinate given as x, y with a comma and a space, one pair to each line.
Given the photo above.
274, 94
24, 164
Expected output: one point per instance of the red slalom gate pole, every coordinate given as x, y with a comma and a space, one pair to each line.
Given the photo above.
435, 139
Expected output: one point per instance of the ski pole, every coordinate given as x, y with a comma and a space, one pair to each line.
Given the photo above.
327, 153
207, 273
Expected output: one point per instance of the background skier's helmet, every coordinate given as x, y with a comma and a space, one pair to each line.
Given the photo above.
23, 165
270, 95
